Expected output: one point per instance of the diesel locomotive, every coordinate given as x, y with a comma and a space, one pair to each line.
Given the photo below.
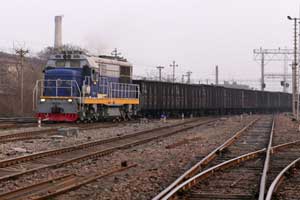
81, 87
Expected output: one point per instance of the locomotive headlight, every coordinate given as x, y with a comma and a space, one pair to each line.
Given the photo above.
70, 100
42, 100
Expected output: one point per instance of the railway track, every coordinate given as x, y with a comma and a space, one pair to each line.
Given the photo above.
10, 125
57, 185
16, 122
211, 178
283, 176
38, 134
17, 119
286, 184
55, 158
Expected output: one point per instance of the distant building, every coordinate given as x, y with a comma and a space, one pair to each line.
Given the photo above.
235, 85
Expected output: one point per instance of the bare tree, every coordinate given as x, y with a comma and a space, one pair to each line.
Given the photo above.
47, 51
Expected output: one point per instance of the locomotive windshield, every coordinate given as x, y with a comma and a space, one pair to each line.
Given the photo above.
67, 63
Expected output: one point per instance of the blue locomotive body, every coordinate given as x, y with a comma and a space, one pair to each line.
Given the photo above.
60, 76
77, 86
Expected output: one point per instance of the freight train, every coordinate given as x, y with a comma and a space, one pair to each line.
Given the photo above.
197, 99
81, 87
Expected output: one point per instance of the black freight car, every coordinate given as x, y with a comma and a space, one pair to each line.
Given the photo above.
173, 99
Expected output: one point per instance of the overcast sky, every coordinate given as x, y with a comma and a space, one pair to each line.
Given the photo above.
197, 34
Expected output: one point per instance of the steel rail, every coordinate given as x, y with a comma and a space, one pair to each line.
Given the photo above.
280, 177
31, 134
284, 145
11, 125
20, 192
55, 186
19, 159
188, 183
206, 160
206, 173
27, 135
263, 180
87, 155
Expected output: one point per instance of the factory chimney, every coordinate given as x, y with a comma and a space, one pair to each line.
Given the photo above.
58, 32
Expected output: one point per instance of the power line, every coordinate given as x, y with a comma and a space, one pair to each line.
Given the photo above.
182, 78
159, 71
188, 75
294, 70
174, 65
264, 55
115, 53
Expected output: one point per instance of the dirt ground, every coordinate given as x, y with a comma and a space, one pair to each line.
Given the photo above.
158, 165
158, 162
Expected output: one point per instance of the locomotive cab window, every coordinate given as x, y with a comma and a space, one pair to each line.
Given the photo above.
94, 75
75, 63
60, 63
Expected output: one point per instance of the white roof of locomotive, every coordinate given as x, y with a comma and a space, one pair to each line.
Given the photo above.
92, 60
95, 61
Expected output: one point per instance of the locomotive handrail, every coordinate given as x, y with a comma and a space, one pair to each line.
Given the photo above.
74, 83
124, 90
34, 97
40, 87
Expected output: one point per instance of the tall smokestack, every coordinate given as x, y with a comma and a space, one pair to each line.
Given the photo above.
217, 75
58, 33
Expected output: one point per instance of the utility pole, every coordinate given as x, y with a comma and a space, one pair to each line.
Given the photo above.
217, 75
285, 77
21, 53
115, 53
294, 71
263, 85
159, 71
285, 71
264, 55
174, 65
182, 78
188, 74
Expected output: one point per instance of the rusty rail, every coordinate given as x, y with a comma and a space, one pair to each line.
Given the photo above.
279, 179
187, 184
263, 180
14, 161
56, 186
8, 162
27, 135
207, 173
201, 164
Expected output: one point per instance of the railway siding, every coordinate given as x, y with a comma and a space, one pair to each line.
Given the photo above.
236, 177
225, 184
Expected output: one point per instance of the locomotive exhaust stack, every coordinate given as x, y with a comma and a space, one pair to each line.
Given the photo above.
58, 32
